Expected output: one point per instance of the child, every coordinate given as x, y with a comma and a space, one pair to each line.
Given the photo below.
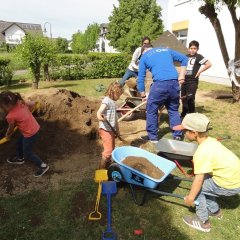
216, 169
107, 111
196, 65
18, 114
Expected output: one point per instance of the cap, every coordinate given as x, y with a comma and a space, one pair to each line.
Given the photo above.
195, 122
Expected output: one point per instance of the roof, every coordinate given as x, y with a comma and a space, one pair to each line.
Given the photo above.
167, 39
26, 27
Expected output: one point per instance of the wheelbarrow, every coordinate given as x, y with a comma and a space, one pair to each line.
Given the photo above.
177, 151
128, 110
120, 172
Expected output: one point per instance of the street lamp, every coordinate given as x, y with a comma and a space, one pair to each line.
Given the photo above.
45, 30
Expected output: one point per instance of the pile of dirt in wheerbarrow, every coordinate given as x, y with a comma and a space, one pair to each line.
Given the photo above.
68, 136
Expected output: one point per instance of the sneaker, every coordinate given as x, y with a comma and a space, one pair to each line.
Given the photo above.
41, 171
195, 222
146, 138
15, 160
218, 214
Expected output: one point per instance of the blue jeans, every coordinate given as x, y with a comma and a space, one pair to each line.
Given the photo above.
209, 203
24, 149
128, 74
163, 93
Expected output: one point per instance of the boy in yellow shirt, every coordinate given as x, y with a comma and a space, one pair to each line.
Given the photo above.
216, 169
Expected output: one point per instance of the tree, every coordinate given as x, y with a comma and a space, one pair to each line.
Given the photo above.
131, 21
210, 9
35, 51
61, 45
92, 34
83, 42
79, 43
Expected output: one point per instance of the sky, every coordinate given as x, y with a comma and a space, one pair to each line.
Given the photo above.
65, 16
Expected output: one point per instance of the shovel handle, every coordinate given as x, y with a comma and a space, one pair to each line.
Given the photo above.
129, 112
96, 212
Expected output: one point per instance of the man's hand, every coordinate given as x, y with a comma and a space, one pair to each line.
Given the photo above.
181, 81
101, 118
143, 96
189, 201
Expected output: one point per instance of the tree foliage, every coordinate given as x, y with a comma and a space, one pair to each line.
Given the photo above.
36, 51
83, 42
131, 21
211, 8
61, 45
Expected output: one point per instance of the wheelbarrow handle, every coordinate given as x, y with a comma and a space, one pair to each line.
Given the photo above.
171, 194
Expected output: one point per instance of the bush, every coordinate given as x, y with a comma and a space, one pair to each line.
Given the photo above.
92, 65
5, 72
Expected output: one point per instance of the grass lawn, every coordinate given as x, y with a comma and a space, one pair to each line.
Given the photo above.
63, 213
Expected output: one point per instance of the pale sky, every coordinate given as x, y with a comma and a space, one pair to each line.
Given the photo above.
65, 16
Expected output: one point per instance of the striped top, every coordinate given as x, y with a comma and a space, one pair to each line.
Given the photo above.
109, 113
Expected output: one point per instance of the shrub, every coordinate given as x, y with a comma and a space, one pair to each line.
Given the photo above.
5, 72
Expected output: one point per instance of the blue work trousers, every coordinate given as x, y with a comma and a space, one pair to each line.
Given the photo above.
208, 203
128, 74
24, 149
163, 93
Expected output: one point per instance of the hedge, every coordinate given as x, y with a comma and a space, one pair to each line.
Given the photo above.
92, 65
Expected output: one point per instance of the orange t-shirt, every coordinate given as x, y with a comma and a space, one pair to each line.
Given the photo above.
21, 117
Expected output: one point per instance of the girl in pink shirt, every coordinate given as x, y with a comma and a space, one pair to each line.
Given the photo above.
19, 115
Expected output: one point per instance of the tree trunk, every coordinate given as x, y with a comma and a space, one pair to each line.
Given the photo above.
46, 72
36, 72
209, 11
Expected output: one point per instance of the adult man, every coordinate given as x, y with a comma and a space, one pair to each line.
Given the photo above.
165, 88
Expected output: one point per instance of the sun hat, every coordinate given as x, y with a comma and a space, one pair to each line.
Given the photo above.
195, 122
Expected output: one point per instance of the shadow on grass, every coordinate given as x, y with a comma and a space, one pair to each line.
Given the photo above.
17, 86
57, 85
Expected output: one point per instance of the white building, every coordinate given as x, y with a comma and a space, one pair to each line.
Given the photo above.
102, 45
12, 33
182, 18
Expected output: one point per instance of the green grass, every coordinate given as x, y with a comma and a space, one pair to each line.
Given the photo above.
63, 214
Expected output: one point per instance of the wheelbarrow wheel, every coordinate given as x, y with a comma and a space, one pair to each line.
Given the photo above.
115, 174
121, 113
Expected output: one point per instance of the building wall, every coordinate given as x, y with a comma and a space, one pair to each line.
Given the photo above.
14, 35
200, 29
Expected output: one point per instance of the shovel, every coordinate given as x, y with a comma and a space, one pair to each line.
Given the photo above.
100, 176
114, 131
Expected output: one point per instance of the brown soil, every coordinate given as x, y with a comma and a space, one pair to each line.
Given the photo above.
68, 142
143, 165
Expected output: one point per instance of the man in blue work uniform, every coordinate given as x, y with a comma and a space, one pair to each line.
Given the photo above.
165, 88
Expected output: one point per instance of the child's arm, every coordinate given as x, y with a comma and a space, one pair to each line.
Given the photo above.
203, 68
30, 105
100, 112
10, 130
195, 189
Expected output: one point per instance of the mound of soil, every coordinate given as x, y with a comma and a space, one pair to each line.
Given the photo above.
68, 133
143, 165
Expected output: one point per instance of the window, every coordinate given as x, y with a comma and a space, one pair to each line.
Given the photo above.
181, 35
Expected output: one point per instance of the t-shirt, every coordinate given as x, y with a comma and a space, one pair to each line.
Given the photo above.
109, 113
215, 159
21, 117
194, 63
133, 66
160, 62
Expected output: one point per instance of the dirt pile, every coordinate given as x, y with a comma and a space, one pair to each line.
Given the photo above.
67, 141
143, 165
